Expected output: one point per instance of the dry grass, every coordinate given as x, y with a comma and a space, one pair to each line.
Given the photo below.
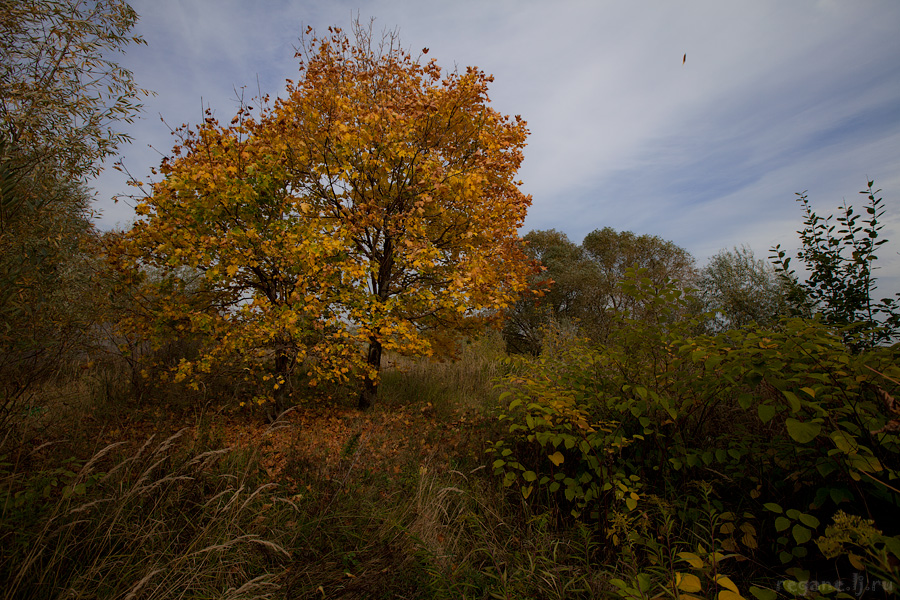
464, 383
329, 502
159, 523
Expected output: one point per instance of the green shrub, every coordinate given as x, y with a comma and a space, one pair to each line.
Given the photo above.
839, 256
787, 424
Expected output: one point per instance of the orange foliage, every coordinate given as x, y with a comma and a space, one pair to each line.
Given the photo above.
375, 204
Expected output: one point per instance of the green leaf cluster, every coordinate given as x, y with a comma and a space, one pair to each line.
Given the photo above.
839, 255
788, 424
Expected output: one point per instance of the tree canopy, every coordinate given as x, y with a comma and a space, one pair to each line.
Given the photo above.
581, 285
61, 95
374, 205
740, 289
615, 252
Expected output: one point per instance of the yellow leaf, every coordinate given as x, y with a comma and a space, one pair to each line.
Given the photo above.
725, 582
692, 559
556, 458
687, 582
729, 595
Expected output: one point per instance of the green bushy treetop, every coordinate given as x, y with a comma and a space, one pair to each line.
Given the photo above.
580, 286
838, 255
739, 289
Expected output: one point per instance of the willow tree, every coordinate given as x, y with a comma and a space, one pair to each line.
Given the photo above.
375, 205
63, 100
739, 289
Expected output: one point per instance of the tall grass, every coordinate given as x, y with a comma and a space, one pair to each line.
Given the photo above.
462, 382
472, 542
183, 517
159, 523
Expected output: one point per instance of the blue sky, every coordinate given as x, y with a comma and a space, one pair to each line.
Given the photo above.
775, 97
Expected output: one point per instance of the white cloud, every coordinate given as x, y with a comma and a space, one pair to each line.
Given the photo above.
774, 97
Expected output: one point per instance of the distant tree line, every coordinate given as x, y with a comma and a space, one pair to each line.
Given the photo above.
579, 287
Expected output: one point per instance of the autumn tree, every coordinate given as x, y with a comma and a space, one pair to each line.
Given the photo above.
374, 207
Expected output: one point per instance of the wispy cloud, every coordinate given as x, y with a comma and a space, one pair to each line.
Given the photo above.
774, 97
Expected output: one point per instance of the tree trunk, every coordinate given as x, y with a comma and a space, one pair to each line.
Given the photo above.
380, 287
282, 373
370, 385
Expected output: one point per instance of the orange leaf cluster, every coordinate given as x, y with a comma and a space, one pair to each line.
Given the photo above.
376, 203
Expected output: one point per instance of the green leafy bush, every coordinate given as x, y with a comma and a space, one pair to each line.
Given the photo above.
787, 425
839, 255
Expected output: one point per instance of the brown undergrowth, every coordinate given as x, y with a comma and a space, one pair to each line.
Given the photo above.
110, 498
